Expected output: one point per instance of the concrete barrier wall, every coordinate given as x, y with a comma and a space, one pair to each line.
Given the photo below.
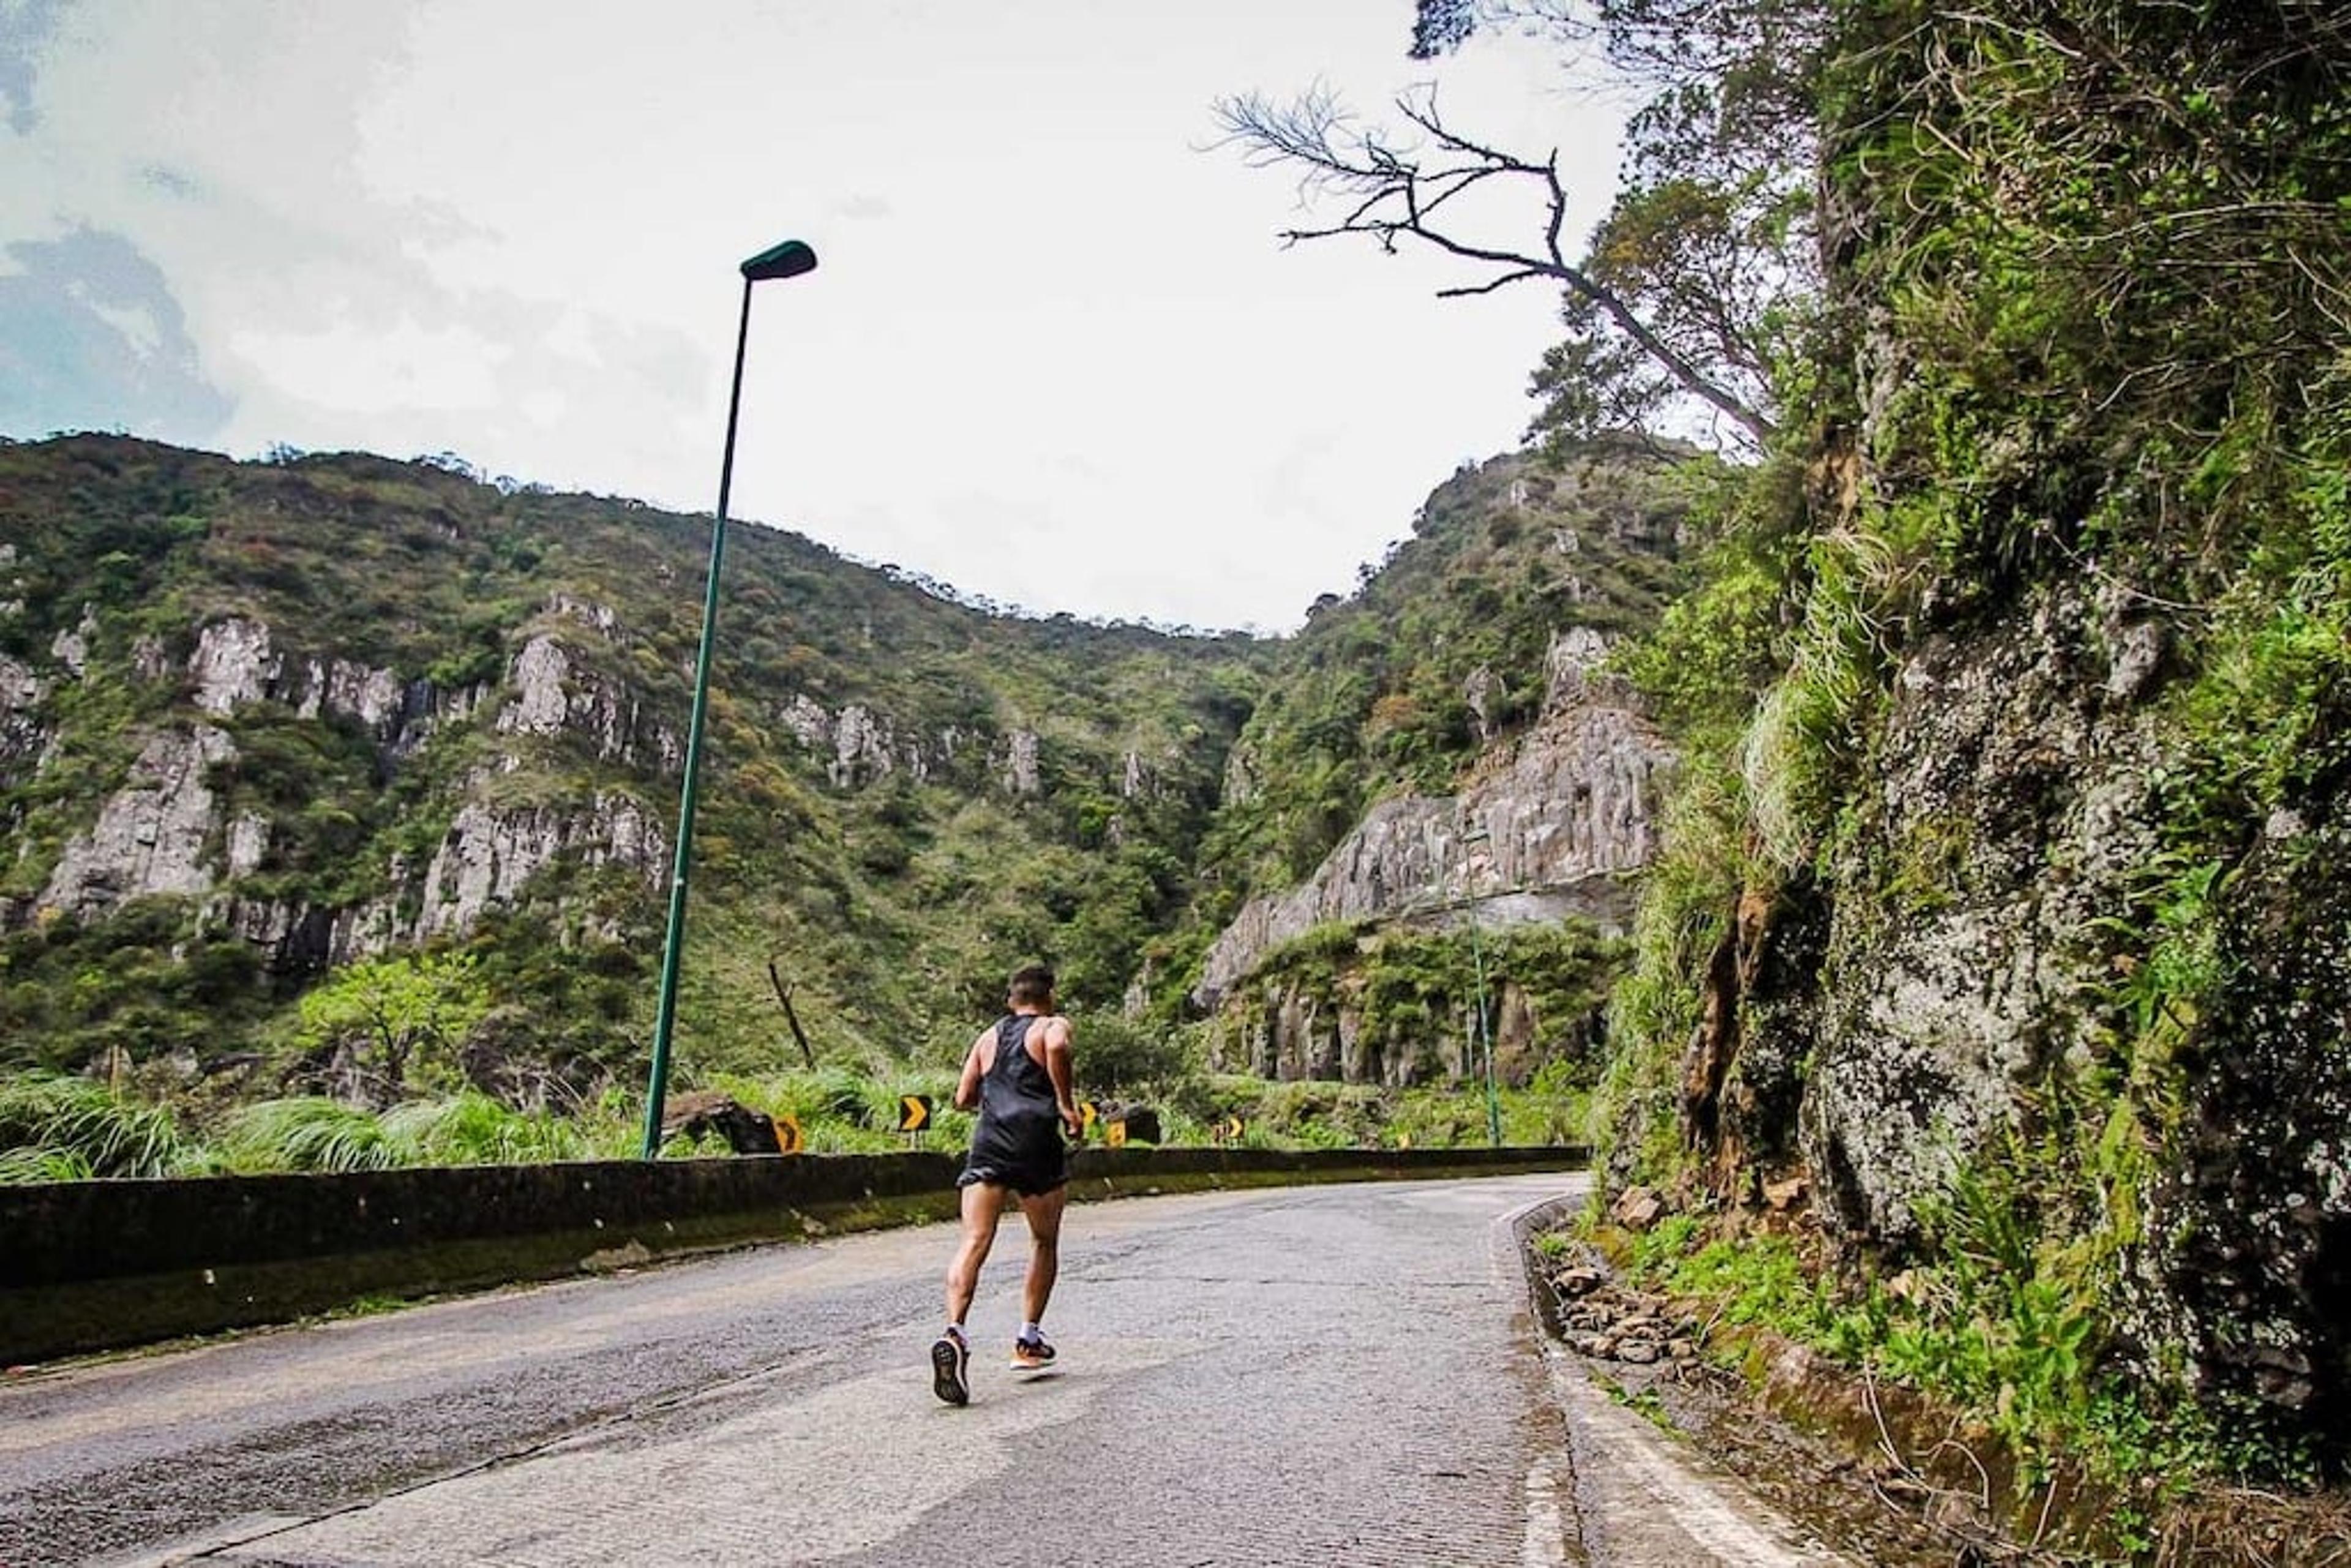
99, 1265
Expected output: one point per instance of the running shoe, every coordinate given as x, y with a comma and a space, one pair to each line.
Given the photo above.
1032, 1355
950, 1355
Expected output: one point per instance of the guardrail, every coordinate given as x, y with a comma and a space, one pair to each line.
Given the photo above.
100, 1265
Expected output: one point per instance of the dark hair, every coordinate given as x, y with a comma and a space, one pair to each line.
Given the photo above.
1032, 986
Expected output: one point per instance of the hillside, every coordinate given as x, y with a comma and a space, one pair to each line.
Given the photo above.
1433, 823
294, 744
269, 721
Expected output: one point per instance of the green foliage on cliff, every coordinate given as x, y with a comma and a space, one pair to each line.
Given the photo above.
2075, 416
449, 718
1442, 650
1422, 1005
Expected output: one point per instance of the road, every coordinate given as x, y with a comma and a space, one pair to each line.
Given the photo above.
1338, 1375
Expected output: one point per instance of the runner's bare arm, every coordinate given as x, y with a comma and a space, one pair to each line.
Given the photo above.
967, 1093
1060, 1068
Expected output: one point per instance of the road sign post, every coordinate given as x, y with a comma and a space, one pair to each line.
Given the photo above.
913, 1117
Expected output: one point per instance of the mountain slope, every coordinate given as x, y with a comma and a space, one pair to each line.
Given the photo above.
260, 720
1432, 821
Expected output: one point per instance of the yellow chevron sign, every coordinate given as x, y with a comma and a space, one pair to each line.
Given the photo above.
1088, 1115
787, 1134
914, 1113
1114, 1134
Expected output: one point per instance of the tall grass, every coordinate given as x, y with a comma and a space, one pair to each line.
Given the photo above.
472, 1129
308, 1134
465, 1129
56, 1128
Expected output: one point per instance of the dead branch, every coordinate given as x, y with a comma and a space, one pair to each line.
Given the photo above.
1398, 193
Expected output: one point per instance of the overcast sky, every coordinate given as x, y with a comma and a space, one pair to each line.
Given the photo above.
1053, 353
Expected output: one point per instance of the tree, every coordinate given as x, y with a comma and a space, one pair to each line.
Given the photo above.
1689, 289
377, 1024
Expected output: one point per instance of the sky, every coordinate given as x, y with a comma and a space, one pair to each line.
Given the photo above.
1053, 354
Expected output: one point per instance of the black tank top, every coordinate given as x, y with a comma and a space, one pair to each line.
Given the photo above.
1019, 1120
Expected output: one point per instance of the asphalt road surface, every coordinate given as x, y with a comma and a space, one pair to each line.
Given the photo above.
1333, 1375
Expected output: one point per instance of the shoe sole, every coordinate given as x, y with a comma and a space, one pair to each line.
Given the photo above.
946, 1373
1022, 1363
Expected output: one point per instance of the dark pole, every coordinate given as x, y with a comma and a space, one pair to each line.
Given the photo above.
786, 260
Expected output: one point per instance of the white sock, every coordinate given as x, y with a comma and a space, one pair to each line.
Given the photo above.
1030, 1331
955, 1331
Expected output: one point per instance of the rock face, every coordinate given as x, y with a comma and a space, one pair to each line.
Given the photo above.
1944, 1000
151, 835
2256, 1226
554, 692
1549, 832
164, 829
1020, 776
862, 748
232, 664
1551, 826
488, 856
23, 735
237, 663
2008, 815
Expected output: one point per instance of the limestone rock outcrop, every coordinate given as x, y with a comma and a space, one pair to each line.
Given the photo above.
23, 732
1551, 829
489, 855
164, 831
236, 660
863, 746
151, 834
554, 691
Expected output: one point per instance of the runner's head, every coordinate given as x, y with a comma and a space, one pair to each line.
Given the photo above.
1032, 986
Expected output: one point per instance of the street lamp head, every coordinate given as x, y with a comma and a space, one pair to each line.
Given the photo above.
789, 259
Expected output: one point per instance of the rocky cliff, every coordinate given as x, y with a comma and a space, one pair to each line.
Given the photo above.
259, 722
166, 830
1552, 826
2020, 946
1489, 674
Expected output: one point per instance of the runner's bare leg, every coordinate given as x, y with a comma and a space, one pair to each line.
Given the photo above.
983, 1205
1044, 1215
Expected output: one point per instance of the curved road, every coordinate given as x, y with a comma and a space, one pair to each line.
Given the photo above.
1335, 1374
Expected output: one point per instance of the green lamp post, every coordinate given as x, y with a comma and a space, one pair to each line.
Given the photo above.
1481, 1037
789, 259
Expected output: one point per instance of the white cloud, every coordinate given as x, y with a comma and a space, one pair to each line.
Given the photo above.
1052, 354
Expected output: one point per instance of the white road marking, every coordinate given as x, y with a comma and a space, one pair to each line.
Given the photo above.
1648, 1488
1546, 1544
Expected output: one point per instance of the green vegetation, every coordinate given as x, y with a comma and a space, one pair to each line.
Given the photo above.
904, 795
1442, 651
2002, 1326
1410, 999
2068, 416
56, 1128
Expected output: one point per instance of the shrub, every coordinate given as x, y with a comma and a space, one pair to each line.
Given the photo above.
56, 1128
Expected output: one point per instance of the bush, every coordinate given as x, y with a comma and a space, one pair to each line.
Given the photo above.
308, 1134
1116, 1052
56, 1128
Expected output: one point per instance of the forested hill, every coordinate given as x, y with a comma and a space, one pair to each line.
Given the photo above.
287, 745
269, 722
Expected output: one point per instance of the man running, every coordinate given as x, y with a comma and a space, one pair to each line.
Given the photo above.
1017, 1074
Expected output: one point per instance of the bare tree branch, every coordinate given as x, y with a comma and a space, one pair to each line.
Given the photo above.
1398, 192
